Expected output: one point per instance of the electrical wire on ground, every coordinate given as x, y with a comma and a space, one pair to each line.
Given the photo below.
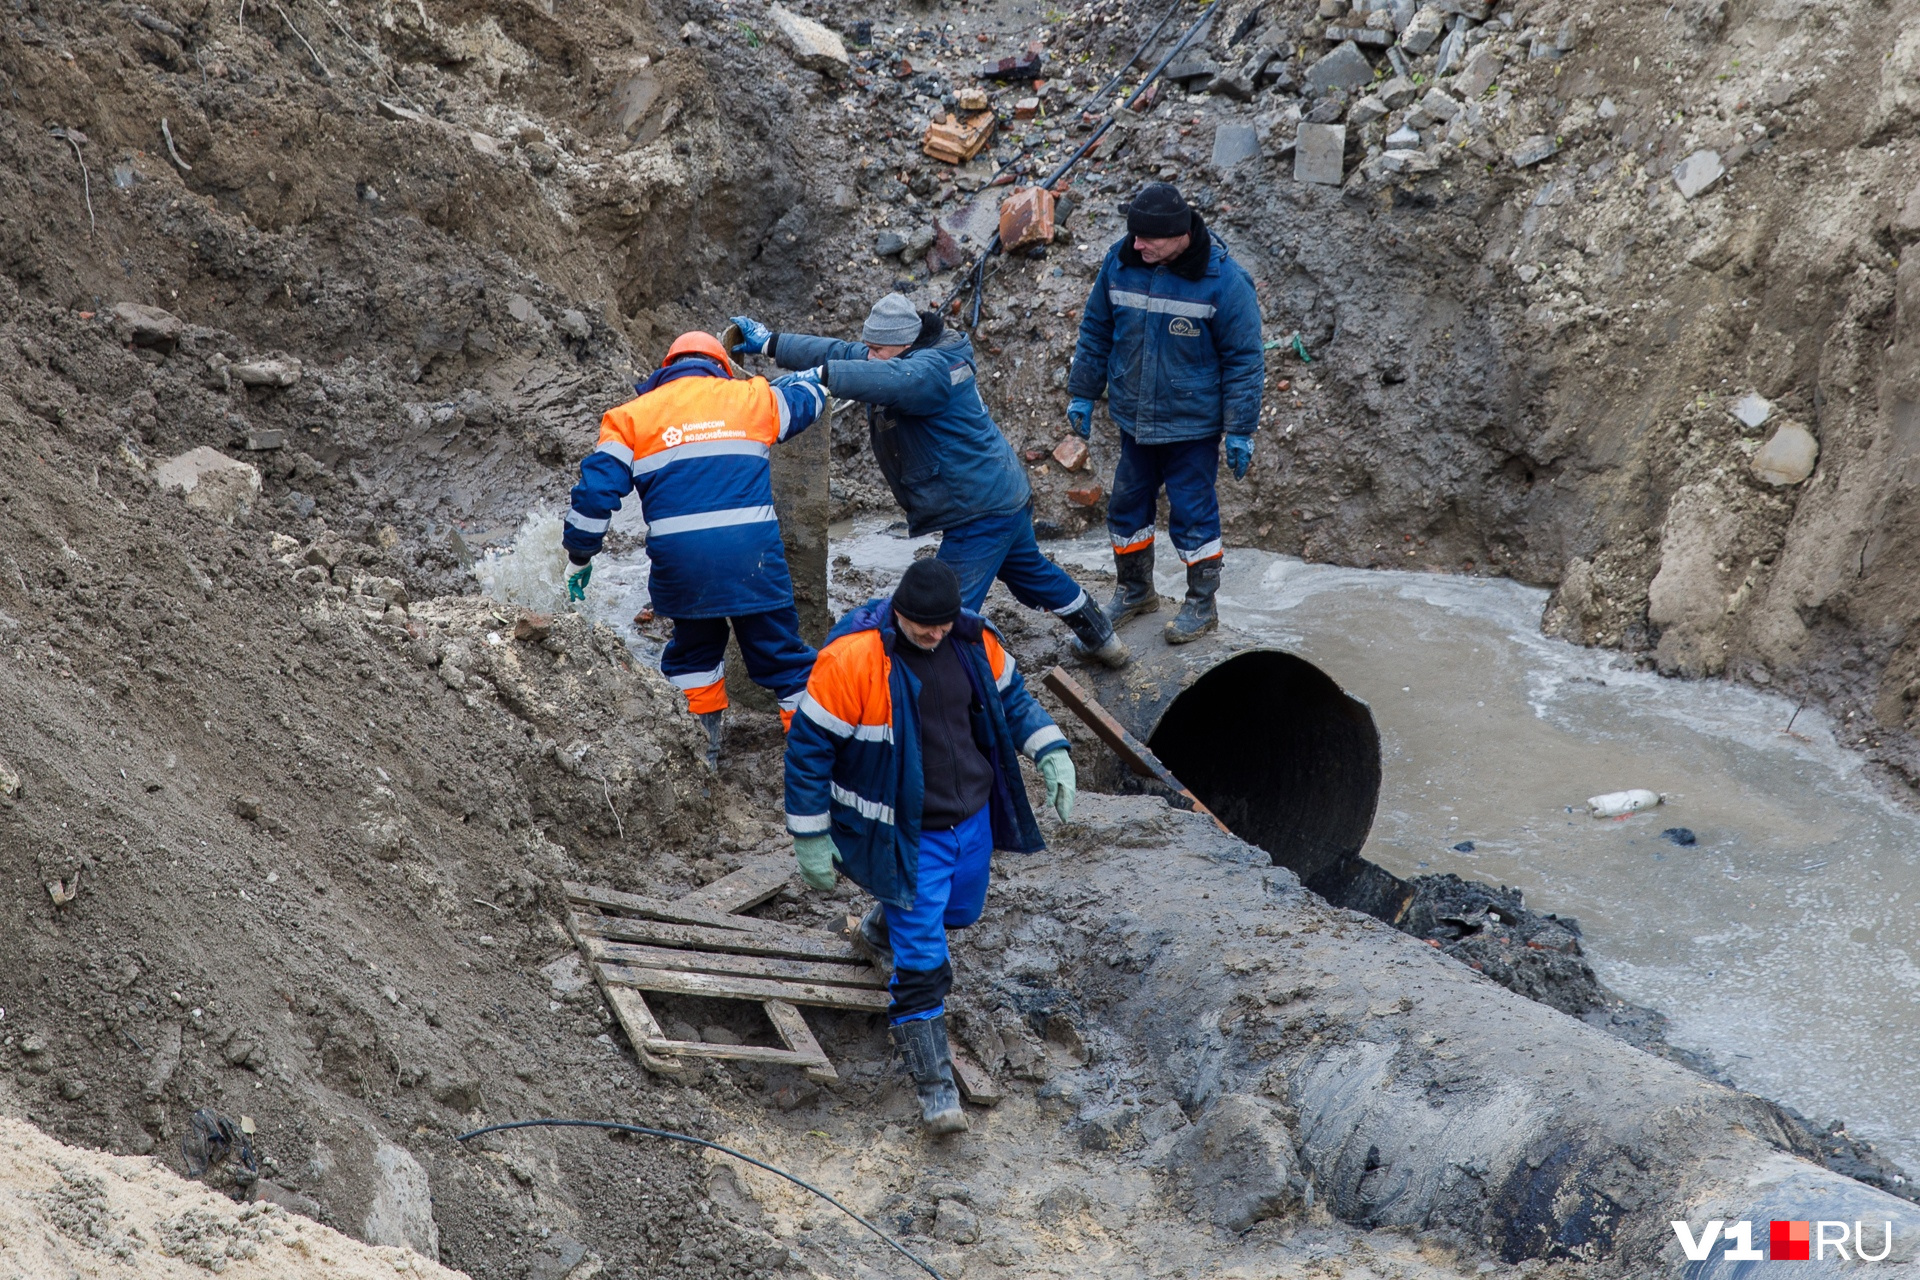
711, 1146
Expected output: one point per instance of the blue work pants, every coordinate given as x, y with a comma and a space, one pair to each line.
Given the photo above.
777, 659
1003, 547
950, 893
1188, 469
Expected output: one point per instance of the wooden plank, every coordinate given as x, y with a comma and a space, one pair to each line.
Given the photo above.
742, 890
643, 1030
737, 1052
815, 946
1115, 735
675, 913
792, 1026
729, 987
843, 975
975, 1084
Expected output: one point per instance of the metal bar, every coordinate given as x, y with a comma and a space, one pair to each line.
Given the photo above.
1110, 731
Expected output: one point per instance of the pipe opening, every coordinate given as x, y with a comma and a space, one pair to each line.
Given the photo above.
1285, 757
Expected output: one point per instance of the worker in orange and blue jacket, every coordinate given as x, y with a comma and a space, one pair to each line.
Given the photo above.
695, 445
903, 766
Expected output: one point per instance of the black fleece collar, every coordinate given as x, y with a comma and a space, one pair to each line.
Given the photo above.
1190, 265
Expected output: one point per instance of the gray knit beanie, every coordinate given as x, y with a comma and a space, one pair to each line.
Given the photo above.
893, 322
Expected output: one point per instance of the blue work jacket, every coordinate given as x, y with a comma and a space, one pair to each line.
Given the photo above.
1175, 348
854, 758
937, 446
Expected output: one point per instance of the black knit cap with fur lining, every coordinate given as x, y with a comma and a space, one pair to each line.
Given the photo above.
929, 594
1158, 213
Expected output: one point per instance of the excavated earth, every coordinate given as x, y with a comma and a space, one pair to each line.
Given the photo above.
284, 805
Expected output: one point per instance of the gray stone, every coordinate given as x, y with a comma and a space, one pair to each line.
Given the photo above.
1406, 160
146, 326
1906, 223
1398, 92
954, 1221
1361, 35
1426, 27
813, 46
1698, 172
265, 372
1344, 68
1328, 110
890, 243
1787, 458
1319, 153
1233, 143
1405, 138
1753, 410
1439, 105
1161, 1121
574, 325
1191, 69
1453, 50
1544, 50
1477, 76
1476, 10
1532, 151
401, 1214
1366, 111
1236, 84
923, 236
1238, 1160
212, 483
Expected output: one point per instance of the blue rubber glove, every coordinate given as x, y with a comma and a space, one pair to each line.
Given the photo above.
1080, 417
1239, 455
577, 581
1056, 767
814, 377
816, 855
756, 336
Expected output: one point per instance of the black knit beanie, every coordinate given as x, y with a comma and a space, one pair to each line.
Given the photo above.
1158, 213
929, 594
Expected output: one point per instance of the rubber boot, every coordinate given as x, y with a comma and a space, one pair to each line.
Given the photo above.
1095, 633
923, 1044
711, 721
871, 937
1133, 592
1197, 616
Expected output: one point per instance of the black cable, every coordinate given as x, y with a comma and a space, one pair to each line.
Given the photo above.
711, 1146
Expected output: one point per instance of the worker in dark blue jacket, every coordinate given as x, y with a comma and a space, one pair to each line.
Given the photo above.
903, 770
949, 467
1171, 336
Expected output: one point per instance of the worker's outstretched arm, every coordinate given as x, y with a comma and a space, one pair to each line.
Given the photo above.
1243, 365
1088, 379
606, 476
806, 351
798, 399
918, 383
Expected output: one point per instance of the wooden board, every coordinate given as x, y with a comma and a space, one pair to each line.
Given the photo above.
798, 1036
976, 1086
742, 890
845, 975
633, 904
820, 946
732, 987
642, 1028
1115, 735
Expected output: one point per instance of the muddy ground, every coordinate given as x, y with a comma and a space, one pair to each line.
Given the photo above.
315, 797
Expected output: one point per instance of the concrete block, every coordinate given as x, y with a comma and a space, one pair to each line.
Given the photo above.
146, 326
1366, 111
1233, 143
1439, 105
212, 483
1426, 27
264, 439
1482, 68
1344, 68
1698, 172
1398, 92
1319, 154
1361, 35
1787, 458
401, 1214
1405, 138
812, 45
1532, 151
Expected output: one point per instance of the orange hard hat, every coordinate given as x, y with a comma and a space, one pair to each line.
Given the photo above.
698, 344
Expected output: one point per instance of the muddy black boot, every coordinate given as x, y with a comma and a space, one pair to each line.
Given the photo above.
1133, 592
1197, 616
870, 936
923, 1043
710, 721
1095, 633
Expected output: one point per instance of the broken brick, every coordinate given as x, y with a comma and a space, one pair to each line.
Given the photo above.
1026, 108
945, 253
533, 626
1022, 66
956, 141
1087, 497
1071, 453
1026, 219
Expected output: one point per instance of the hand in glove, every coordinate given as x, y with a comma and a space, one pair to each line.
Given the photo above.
1057, 768
1080, 417
1239, 455
577, 581
757, 337
814, 377
816, 854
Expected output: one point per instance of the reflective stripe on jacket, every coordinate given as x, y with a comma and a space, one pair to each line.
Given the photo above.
695, 446
853, 754
1177, 359
934, 440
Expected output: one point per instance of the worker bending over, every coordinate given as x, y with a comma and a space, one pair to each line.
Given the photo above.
949, 467
903, 766
1171, 336
695, 446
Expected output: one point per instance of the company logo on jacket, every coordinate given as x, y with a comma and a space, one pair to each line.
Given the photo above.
1181, 327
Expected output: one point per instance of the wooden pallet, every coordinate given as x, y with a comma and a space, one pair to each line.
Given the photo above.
700, 944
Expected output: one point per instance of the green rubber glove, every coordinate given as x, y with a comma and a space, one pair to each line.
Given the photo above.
816, 854
577, 581
1057, 768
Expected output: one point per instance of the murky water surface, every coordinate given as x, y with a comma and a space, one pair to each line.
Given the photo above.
1781, 943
